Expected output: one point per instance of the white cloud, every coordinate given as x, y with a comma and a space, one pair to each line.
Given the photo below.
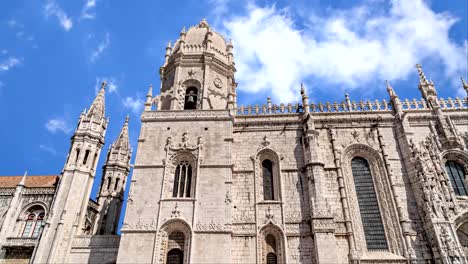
58, 124
351, 47
112, 84
52, 9
135, 104
100, 48
88, 11
4, 51
9, 63
49, 149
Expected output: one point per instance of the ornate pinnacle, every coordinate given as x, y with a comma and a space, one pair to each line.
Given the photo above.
127, 118
422, 77
302, 89
103, 85
150, 91
390, 90
23, 179
98, 106
183, 30
464, 84
168, 45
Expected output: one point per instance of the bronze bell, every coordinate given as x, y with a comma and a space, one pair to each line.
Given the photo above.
190, 97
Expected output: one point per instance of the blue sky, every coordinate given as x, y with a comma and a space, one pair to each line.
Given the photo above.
54, 54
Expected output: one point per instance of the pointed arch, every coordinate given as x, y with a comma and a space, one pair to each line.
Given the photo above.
174, 241
272, 245
375, 174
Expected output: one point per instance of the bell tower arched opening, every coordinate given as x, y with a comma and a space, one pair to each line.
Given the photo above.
191, 96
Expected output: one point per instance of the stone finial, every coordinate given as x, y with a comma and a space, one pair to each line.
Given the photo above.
422, 77
390, 90
203, 23
97, 108
150, 91
184, 30
464, 84
305, 99
23, 179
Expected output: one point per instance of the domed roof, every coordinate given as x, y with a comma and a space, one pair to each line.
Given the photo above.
197, 36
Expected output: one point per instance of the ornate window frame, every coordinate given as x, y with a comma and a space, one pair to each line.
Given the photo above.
385, 200
461, 158
23, 218
280, 240
272, 155
175, 153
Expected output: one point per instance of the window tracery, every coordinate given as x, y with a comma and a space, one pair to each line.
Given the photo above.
368, 205
457, 176
182, 180
34, 219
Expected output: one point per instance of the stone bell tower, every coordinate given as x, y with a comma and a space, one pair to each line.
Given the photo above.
68, 210
198, 72
181, 182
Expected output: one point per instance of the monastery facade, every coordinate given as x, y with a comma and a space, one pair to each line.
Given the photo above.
381, 181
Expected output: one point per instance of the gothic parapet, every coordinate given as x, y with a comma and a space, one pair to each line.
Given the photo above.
377, 106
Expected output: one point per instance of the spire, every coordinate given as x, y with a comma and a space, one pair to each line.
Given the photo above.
305, 99
390, 90
97, 108
465, 85
422, 78
122, 141
150, 91
23, 179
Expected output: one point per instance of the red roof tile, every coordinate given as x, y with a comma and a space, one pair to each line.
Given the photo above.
31, 181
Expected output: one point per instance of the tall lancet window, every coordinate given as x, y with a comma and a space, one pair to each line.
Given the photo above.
191, 96
34, 219
457, 177
268, 185
368, 205
182, 180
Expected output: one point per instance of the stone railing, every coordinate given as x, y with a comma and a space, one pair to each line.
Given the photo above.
21, 241
106, 241
348, 106
450, 103
269, 110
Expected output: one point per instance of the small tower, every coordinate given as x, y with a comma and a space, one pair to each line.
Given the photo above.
111, 194
68, 210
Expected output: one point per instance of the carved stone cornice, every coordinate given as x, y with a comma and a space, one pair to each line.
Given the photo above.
178, 115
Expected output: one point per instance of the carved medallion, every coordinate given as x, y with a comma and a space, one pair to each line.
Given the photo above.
218, 83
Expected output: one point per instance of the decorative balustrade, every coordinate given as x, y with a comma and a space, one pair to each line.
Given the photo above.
348, 106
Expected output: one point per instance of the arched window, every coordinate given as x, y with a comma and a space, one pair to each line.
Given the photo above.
191, 96
176, 244
268, 185
182, 180
457, 177
38, 226
368, 205
34, 220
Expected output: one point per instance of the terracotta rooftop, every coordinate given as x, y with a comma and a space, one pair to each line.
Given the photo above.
46, 181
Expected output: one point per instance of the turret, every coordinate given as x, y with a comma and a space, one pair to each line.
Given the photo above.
69, 207
115, 172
